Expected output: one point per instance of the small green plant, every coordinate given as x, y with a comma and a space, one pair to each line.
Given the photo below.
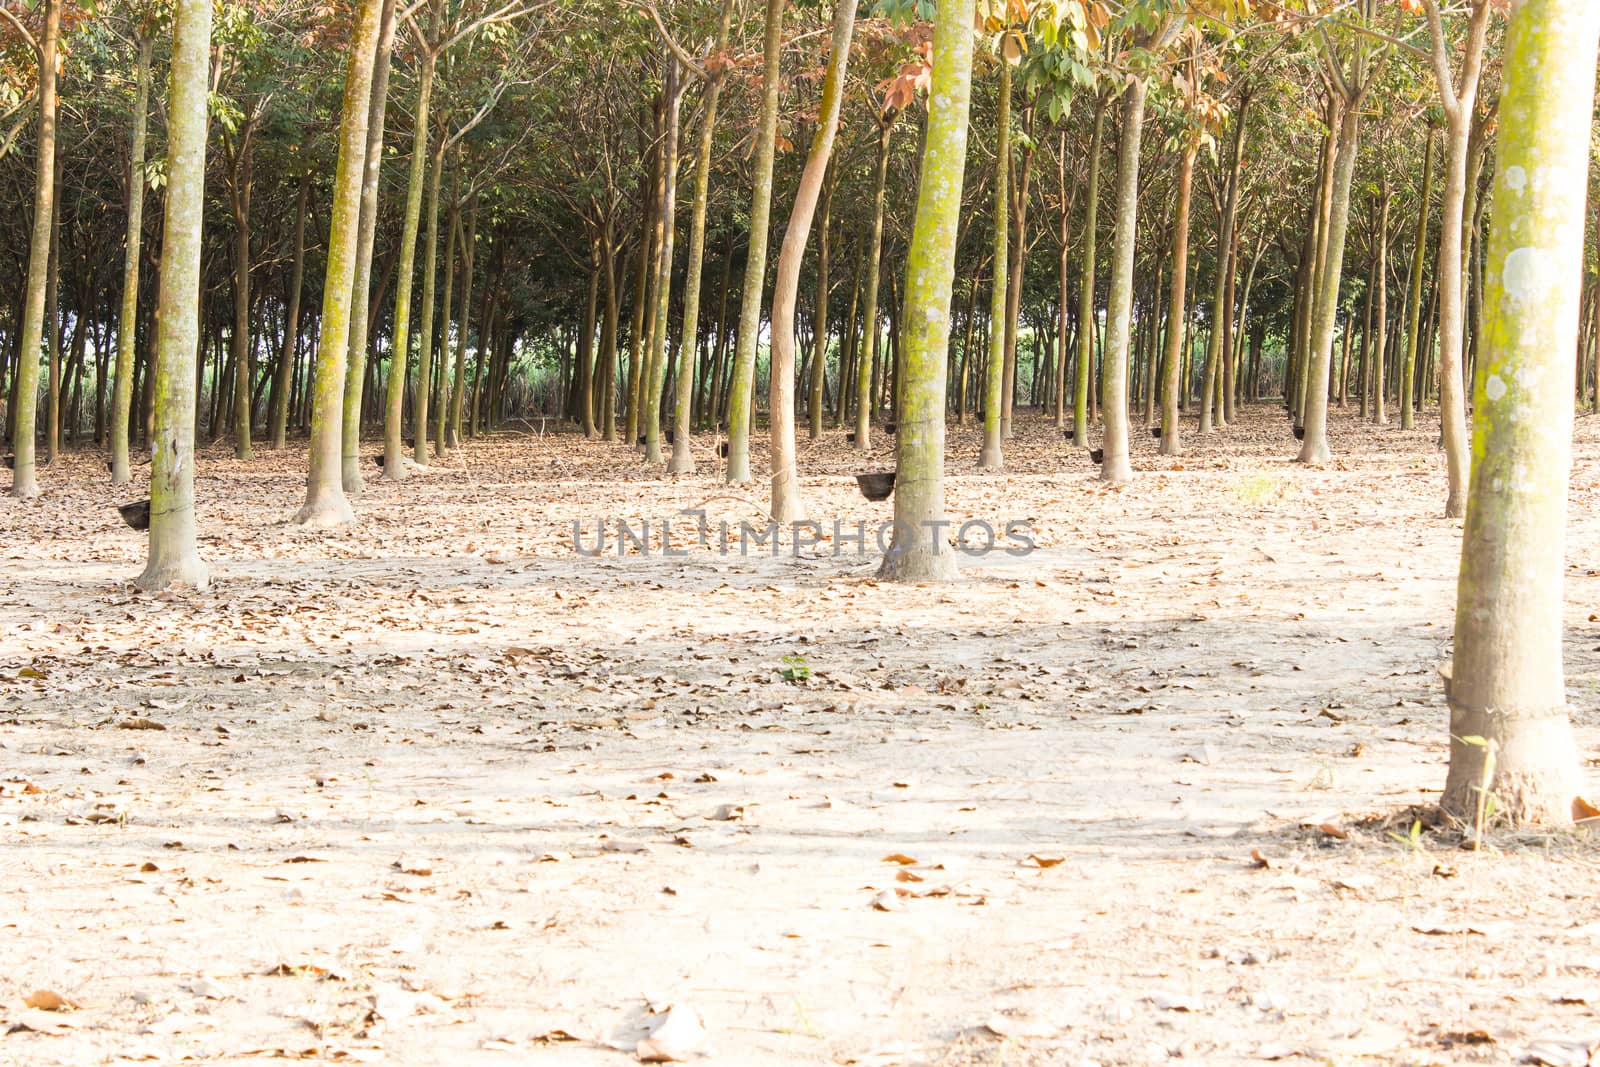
1258, 490
1412, 840
795, 669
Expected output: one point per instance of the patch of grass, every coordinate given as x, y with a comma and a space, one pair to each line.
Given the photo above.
1258, 490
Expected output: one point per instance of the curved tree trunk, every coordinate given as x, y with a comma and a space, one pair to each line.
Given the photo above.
173, 557
239, 190
326, 504
755, 267
128, 322
1510, 737
786, 503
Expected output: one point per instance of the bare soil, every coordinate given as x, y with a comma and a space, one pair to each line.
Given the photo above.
437, 789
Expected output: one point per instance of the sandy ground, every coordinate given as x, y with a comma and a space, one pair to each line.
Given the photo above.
436, 789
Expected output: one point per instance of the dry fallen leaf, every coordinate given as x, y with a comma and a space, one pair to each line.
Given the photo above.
900, 858
1044, 862
47, 1000
1583, 811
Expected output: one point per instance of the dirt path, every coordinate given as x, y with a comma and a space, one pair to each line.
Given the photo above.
437, 789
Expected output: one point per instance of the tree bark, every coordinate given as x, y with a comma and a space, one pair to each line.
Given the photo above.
1511, 741
400, 349
128, 322
173, 558
366, 233
755, 267
326, 505
1178, 313
918, 552
1086, 317
1115, 466
991, 456
786, 503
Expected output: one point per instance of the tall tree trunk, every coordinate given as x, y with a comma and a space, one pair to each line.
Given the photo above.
400, 349
819, 355
1381, 300
469, 246
1230, 214
1115, 466
918, 552
667, 227
991, 456
755, 267
608, 337
366, 233
326, 504
430, 278
446, 350
240, 185
1086, 316
682, 461
1019, 261
1459, 97
1510, 737
291, 319
24, 480
1408, 369
591, 312
1314, 449
786, 503
1178, 312
870, 334
173, 558
127, 329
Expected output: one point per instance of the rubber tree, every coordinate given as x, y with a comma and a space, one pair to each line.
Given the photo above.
1458, 97
326, 504
291, 316
870, 332
712, 74
786, 503
1408, 368
174, 559
1085, 355
238, 148
918, 552
1512, 754
1114, 464
366, 233
395, 390
667, 223
991, 455
24, 479
755, 266
128, 320
1211, 413
1177, 309
1350, 88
